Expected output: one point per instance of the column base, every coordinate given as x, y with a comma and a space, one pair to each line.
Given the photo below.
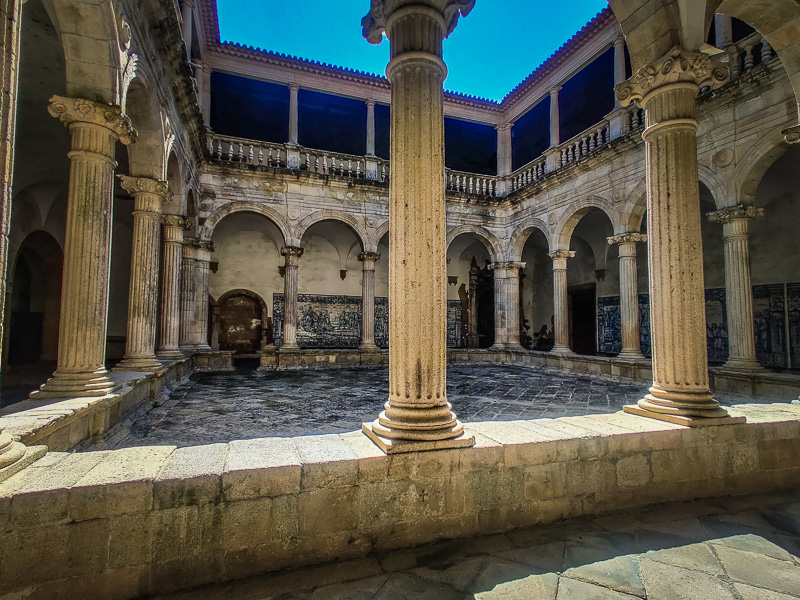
631, 355
687, 421
170, 354
505, 346
692, 409
139, 364
75, 385
368, 348
561, 350
289, 348
26, 457
375, 431
742, 367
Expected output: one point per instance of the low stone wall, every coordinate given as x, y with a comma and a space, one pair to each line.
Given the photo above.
216, 361
121, 524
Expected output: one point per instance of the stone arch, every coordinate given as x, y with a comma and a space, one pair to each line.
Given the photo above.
174, 177
257, 336
714, 184
755, 163
147, 157
493, 245
567, 223
635, 207
377, 236
241, 206
93, 62
330, 215
520, 237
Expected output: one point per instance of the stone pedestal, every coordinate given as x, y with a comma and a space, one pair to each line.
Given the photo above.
667, 90
738, 289
368, 260
148, 196
15, 456
186, 326
95, 129
418, 415
292, 256
202, 259
561, 301
172, 246
506, 304
629, 294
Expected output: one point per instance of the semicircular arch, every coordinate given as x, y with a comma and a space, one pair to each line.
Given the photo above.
490, 240
244, 207
566, 225
330, 215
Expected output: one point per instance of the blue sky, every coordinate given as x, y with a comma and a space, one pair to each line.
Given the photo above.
490, 52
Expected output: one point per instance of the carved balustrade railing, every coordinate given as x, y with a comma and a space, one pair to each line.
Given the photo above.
584, 143
533, 172
470, 183
748, 53
244, 151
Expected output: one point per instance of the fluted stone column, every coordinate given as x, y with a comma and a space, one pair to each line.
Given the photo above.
561, 300
418, 415
148, 196
368, 260
95, 129
188, 304
187, 13
202, 259
667, 89
172, 248
629, 294
473, 339
292, 256
506, 304
738, 288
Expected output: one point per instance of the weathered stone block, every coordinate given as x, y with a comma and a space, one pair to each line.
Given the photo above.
545, 481
262, 467
633, 471
328, 511
192, 475
327, 461
779, 453
245, 523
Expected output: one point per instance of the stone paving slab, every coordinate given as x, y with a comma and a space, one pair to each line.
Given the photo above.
221, 407
656, 554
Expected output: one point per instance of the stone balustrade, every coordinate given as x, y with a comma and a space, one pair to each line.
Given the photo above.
533, 172
584, 143
248, 152
749, 53
470, 183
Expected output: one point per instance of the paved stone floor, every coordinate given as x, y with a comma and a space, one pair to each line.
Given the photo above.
220, 407
729, 549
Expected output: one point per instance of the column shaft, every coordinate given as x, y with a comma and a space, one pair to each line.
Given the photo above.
292, 256
473, 339
169, 331
555, 118
738, 287
619, 61
561, 301
370, 128
188, 304
368, 260
148, 195
293, 90
506, 304
629, 294
187, 14
667, 90
95, 129
203, 252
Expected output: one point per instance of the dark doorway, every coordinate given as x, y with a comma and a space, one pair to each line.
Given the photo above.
485, 293
582, 319
241, 324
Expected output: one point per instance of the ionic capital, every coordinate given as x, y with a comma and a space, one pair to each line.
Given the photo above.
381, 11
628, 238
505, 266
368, 257
292, 251
145, 185
677, 66
791, 135
562, 254
80, 110
176, 221
727, 215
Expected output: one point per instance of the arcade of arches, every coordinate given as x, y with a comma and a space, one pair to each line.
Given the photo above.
173, 203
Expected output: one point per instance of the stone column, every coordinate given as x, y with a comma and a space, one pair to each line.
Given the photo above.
148, 196
95, 129
188, 304
738, 289
506, 304
202, 259
723, 30
293, 90
619, 61
202, 75
418, 415
169, 331
667, 89
561, 300
629, 294
504, 158
292, 256
473, 339
370, 127
187, 14
555, 118
368, 260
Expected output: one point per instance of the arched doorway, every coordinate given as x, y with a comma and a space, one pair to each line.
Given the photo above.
471, 282
242, 316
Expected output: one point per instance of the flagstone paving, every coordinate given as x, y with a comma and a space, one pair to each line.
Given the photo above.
728, 549
221, 407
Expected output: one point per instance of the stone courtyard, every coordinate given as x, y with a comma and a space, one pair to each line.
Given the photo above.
220, 407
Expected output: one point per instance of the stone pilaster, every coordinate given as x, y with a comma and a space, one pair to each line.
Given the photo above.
506, 304
172, 248
473, 339
202, 259
418, 415
738, 289
292, 256
95, 129
629, 294
148, 197
561, 300
188, 304
368, 260
667, 89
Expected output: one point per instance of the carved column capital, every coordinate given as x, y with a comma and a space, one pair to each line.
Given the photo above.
727, 215
145, 185
80, 110
562, 254
627, 238
381, 12
791, 135
369, 257
294, 251
176, 221
677, 66
506, 266
203, 245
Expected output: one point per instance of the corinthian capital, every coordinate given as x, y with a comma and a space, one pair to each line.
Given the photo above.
558, 254
145, 185
677, 66
80, 110
374, 23
726, 215
176, 221
627, 238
